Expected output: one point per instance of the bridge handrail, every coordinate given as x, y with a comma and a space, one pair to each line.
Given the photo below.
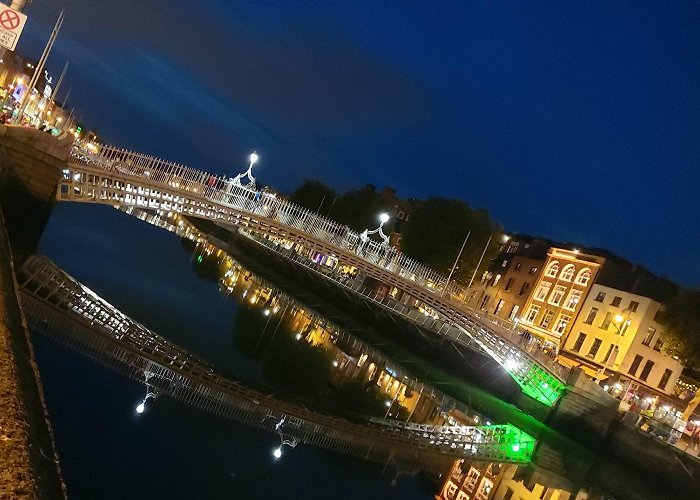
154, 172
208, 185
47, 284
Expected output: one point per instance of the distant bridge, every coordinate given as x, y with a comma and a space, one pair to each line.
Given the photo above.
57, 304
125, 179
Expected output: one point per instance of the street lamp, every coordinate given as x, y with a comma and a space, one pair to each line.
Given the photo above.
383, 219
291, 442
621, 323
252, 159
151, 393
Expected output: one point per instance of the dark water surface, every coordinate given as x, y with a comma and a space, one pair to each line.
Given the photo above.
172, 451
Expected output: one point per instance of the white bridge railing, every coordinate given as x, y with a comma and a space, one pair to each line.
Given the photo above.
226, 192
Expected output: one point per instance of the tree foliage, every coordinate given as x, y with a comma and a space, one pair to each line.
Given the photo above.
314, 195
436, 230
681, 319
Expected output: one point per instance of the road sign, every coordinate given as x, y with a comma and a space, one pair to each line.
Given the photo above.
11, 25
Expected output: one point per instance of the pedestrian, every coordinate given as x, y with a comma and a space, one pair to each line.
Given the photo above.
3, 119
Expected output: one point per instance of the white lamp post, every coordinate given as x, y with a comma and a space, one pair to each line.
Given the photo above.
383, 219
291, 442
252, 159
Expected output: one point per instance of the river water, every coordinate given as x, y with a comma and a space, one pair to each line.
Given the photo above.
173, 451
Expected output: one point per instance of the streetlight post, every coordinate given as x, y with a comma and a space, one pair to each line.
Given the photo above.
621, 324
454, 266
383, 219
253, 158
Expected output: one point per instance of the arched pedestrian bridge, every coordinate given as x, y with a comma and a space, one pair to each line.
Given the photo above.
60, 306
126, 179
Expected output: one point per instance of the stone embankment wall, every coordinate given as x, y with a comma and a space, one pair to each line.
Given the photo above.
29, 169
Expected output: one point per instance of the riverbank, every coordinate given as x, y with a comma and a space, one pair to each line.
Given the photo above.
28, 462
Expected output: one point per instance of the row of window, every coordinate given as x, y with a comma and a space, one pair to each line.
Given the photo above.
595, 347
518, 265
634, 367
616, 301
567, 273
606, 321
611, 356
546, 321
557, 295
509, 285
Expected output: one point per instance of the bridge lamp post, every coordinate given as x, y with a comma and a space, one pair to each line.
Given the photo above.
621, 323
252, 160
383, 219
150, 394
291, 442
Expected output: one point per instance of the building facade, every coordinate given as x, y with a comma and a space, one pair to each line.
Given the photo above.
559, 293
487, 481
507, 285
617, 332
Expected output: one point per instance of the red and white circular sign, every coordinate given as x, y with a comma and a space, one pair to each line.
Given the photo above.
9, 19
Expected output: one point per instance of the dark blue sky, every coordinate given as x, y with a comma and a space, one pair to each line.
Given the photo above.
575, 121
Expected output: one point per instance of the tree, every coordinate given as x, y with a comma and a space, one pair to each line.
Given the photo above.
314, 195
681, 319
360, 209
436, 230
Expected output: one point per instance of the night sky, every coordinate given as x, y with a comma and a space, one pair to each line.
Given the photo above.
577, 121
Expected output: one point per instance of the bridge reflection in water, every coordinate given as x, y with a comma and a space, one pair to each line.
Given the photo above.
126, 179
57, 304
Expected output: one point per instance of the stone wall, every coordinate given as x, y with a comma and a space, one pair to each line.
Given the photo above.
31, 162
30, 167
585, 410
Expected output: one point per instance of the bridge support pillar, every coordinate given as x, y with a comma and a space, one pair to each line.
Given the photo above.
584, 410
31, 162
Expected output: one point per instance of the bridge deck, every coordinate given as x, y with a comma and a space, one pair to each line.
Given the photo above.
122, 178
60, 306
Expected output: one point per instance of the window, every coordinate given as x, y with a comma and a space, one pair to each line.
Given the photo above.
567, 273
584, 276
633, 306
505, 263
552, 269
496, 279
514, 312
594, 348
524, 289
517, 266
606, 322
472, 479
562, 324
499, 306
659, 344
484, 302
600, 297
650, 335
543, 290
547, 319
573, 299
647, 368
611, 356
509, 284
579, 342
532, 313
616, 301
664, 379
635, 365
557, 295
533, 270
591, 316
